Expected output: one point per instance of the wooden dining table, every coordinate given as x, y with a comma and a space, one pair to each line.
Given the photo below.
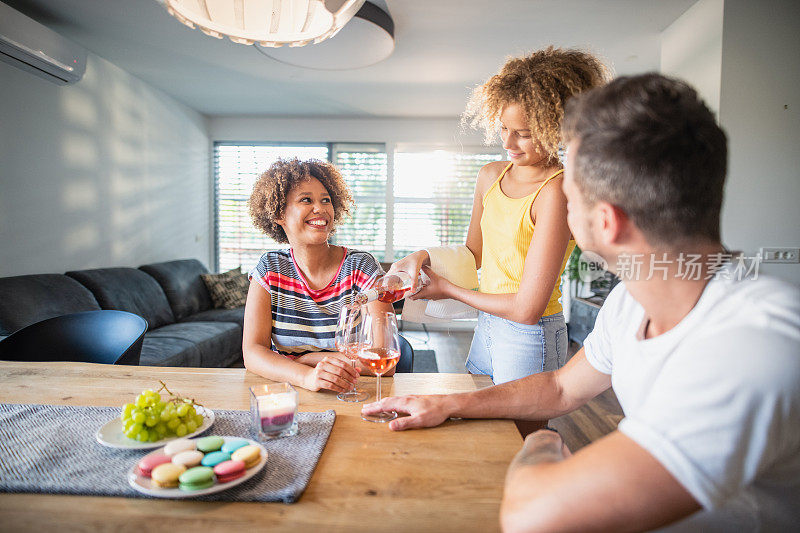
369, 478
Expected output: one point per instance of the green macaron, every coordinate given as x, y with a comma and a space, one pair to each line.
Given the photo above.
197, 478
210, 444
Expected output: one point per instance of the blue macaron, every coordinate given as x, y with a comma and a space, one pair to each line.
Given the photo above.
214, 458
232, 445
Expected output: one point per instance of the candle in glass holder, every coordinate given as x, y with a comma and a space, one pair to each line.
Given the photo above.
273, 408
276, 411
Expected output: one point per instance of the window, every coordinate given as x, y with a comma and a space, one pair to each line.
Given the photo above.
237, 166
433, 192
425, 201
364, 168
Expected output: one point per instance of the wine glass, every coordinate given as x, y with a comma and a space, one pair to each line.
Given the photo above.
347, 340
380, 352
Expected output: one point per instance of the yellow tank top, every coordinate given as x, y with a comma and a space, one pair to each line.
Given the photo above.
507, 231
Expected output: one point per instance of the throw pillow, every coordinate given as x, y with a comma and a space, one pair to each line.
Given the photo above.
228, 290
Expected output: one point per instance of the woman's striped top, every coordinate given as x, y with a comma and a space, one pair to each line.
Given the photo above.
304, 319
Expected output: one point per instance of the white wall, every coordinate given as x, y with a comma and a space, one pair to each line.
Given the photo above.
691, 49
760, 111
444, 131
742, 56
106, 172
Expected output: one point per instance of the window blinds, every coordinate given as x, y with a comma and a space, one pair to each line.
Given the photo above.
237, 166
433, 192
429, 203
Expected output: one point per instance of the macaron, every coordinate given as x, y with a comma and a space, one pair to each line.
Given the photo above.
250, 455
232, 445
229, 470
210, 444
214, 458
149, 462
197, 478
188, 458
166, 476
179, 445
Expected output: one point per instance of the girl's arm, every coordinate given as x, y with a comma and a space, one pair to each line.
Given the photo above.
332, 371
540, 273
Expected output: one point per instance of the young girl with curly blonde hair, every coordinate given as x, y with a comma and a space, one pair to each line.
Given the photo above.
518, 233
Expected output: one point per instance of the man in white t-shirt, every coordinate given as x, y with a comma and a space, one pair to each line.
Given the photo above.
704, 357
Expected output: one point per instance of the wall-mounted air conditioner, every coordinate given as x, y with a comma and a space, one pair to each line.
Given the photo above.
28, 45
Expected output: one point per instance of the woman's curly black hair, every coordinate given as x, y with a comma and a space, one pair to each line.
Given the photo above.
268, 201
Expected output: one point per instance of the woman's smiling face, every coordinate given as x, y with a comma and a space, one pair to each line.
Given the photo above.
308, 215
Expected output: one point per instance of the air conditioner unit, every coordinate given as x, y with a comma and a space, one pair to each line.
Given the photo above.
28, 45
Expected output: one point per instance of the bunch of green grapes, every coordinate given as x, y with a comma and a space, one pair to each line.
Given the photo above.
150, 418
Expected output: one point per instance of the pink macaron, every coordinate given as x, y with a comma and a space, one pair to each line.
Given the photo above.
229, 470
149, 462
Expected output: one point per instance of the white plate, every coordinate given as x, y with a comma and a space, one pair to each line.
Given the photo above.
142, 484
111, 434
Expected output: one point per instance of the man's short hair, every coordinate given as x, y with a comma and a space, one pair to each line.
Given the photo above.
650, 146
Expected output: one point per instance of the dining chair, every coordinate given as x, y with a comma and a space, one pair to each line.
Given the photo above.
107, 336
406, 363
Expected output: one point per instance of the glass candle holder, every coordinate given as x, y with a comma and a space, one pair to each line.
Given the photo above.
273, 409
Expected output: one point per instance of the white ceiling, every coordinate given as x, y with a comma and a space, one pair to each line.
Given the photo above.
443, 48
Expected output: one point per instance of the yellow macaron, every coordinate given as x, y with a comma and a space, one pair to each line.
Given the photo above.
250, 454
166, 476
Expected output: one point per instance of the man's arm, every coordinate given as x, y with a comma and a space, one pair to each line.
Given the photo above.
537, 397
612, 484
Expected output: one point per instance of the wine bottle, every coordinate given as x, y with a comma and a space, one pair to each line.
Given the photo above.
388, 288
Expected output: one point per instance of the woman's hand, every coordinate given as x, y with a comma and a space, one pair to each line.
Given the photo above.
411, 265
334, 372
436, 289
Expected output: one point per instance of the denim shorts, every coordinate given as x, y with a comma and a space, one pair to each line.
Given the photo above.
506, 350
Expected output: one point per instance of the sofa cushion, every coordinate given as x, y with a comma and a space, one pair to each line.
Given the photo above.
25, 300
219, 315
228, 290
201, 344
180, 280
127, 289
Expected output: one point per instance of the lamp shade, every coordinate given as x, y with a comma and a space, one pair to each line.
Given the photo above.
266, 22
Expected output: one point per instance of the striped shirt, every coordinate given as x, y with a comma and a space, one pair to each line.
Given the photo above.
304, 319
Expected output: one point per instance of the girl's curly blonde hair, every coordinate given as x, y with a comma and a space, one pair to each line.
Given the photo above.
540, 83
268, 201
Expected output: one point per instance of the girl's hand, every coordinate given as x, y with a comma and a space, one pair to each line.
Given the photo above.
334, 372
436, 289
411, 265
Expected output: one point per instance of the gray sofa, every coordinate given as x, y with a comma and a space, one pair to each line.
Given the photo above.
184, 329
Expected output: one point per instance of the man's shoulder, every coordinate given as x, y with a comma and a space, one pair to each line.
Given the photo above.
753, 332
765, 304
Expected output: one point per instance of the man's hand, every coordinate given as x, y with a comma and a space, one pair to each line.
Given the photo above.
423, 411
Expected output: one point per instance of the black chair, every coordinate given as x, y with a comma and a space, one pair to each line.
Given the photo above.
406, 363
111, 337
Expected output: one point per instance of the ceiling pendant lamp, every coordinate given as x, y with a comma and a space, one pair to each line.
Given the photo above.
271, 23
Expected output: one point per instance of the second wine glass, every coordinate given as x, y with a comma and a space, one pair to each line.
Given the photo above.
347, 340
380, 352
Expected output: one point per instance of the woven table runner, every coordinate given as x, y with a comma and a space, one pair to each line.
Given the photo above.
52, 449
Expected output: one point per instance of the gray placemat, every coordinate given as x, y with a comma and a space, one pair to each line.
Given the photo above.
52, 449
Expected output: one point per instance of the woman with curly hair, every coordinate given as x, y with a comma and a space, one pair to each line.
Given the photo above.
518, 233
295, 294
